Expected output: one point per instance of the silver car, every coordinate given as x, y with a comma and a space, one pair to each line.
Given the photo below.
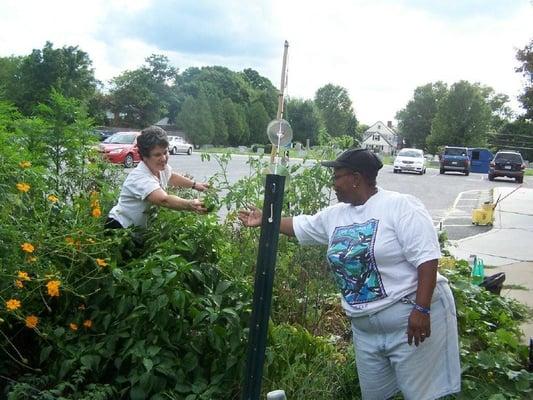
179, 145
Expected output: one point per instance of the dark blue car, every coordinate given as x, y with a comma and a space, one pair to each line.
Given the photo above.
455, 159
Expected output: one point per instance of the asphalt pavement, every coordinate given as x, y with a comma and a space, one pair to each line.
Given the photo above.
508, 246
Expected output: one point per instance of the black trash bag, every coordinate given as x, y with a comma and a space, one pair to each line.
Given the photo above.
494, 283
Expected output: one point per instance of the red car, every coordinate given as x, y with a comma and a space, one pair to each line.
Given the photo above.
121, 148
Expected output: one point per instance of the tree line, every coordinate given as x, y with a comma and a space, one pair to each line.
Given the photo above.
214, 105
470, 114
211, 104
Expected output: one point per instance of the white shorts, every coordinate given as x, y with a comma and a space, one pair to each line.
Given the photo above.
386, 364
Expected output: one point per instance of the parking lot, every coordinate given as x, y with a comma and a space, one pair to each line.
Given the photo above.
450, 198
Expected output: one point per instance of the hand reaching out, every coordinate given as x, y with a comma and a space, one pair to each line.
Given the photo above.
251, 217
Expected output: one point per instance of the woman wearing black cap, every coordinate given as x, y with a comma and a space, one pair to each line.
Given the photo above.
384, 253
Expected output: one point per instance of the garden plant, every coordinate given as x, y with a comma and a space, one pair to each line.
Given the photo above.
89, 314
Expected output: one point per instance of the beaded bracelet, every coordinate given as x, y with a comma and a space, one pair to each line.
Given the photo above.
423, 310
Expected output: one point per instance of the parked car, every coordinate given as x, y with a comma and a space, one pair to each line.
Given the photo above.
411, 160
101, 134
455, 159
121, 148
179, 145
507, 163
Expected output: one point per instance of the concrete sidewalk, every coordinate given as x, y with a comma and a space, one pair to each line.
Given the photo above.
508, 247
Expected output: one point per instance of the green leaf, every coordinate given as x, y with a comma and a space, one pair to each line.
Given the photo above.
45, 352
148, 364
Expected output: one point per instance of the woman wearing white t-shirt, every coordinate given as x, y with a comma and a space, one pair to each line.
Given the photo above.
383, 251
146, 185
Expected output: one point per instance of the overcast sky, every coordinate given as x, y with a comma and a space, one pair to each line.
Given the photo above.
379, 50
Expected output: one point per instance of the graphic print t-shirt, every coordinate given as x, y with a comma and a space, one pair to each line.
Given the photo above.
374, 249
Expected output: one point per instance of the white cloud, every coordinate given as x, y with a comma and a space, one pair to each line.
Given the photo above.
380, 50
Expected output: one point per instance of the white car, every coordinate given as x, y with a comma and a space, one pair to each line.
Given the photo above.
411, 160
176, 144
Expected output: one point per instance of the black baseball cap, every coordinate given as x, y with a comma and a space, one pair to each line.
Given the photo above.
358, 160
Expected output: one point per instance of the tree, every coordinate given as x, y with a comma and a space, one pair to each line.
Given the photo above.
220, 128
525, 56
235, 119
258, 120
196, 120
414, 121
498, 103
516, 135
143, 96
336, 110
463, 118
68, 70
305, 120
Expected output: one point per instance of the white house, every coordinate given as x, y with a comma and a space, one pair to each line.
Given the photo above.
381, 138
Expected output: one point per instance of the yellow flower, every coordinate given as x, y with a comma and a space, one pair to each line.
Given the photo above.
69, 240
101, 262
27, 247
23, 187
19, 284
52, 198
32, 321
32, 259
73, 326
12, 304
53, 288
25, 164
23, 276
96, 212
90, 240
88, 323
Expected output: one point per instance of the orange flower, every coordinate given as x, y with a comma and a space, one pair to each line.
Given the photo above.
13, 304
53, 288
19, 284
23, 187
88, 323
73, 326
25, 164
96, 212
52, 198
32, 321
101, 262
27, 247
23, 276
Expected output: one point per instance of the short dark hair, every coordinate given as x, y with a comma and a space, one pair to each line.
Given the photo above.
150, 138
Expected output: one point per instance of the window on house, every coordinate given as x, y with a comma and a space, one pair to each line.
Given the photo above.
376, 137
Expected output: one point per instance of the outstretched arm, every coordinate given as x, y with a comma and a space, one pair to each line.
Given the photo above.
177, 180
253, 216
161, 198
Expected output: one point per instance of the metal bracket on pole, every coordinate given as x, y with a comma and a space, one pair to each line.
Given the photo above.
264, 280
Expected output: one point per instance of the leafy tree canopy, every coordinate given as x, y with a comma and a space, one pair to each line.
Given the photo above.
525, 56
336, 109
414, 121
305, 120
143, 96
463, 118
29, 80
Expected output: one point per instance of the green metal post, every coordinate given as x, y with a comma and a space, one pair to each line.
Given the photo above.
264, 279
